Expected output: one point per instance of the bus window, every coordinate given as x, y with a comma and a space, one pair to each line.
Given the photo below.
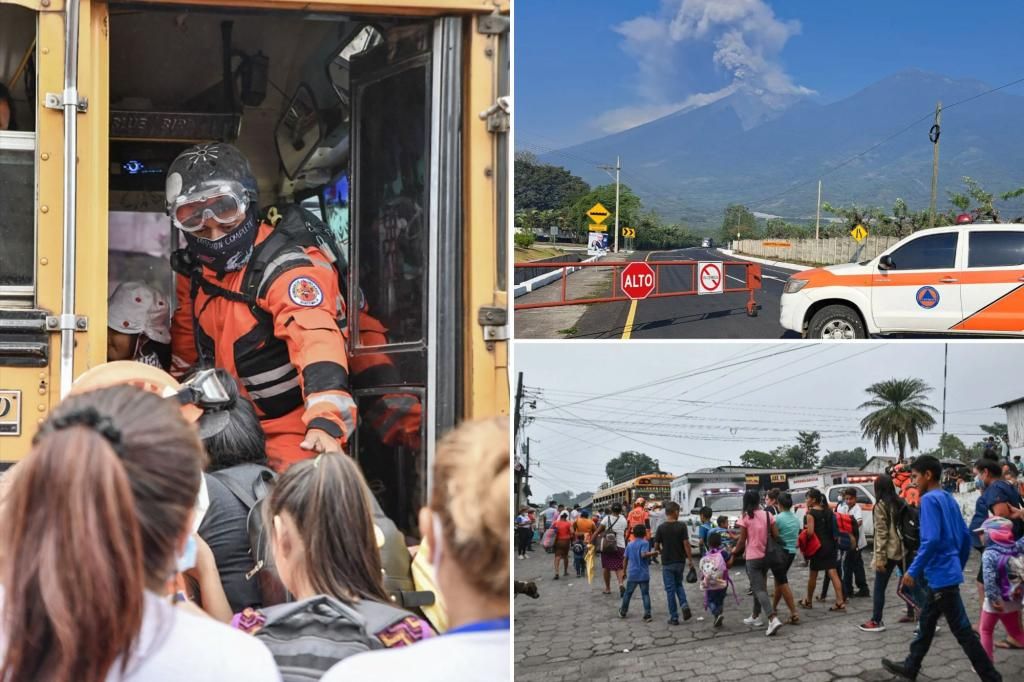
17, 157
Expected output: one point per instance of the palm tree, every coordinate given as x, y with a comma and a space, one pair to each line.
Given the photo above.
900, 415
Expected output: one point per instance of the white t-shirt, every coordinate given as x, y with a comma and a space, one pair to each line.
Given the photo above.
549, 515
857, 513
465, 656
620, 525
174, 645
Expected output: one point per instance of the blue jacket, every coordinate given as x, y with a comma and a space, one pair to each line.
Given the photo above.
994, 493
945, 542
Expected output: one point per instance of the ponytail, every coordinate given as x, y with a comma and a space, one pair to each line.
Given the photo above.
73, 578
91, 519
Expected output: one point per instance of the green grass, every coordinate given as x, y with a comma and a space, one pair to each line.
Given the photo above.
536, 252
571, 331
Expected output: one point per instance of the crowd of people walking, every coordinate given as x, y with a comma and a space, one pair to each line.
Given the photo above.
920, 535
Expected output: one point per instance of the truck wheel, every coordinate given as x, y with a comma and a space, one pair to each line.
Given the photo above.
836, 322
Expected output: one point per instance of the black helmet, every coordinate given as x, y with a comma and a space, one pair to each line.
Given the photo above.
206, 167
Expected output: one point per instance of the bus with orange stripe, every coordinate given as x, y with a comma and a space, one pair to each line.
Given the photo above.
963, 279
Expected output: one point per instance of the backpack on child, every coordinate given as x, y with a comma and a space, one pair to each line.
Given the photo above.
713, 571
908, 527
307, 637
848, 533
250, 483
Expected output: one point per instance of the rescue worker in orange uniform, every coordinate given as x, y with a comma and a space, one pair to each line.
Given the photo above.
275, 327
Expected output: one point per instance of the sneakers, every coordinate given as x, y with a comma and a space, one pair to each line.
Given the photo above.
556, 576
622, 613
773, 625
719, 619
647, 618
862, 593
872, 626
687, 613
753, 622
673, 621
905, 618
898, 669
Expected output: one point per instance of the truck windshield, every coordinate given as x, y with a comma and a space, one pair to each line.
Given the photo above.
725, 503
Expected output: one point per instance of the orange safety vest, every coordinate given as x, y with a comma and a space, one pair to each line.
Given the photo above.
287, 351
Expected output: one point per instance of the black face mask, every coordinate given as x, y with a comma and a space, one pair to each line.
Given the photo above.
229, 253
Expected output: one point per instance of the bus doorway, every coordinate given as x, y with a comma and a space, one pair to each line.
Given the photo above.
353, 117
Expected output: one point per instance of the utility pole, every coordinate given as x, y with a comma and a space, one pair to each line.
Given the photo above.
933, 135
817, 217
518, 413
945, 373
526, 476
617, 169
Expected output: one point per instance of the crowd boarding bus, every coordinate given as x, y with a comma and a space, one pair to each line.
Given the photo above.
389, 119
651, 487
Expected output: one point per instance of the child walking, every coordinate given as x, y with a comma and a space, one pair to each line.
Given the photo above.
638, 573
578, 562
714, 578
1002, 567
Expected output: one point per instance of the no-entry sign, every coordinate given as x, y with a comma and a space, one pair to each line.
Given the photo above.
637, 280
710, 277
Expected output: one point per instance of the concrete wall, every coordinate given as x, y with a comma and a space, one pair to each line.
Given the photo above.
820, 252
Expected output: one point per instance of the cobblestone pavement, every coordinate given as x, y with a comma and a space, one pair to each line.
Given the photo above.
573, 632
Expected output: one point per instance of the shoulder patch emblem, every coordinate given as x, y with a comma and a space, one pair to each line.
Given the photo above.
305, 292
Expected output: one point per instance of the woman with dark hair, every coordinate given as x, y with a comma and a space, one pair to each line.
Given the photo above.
821, 522
614, 560
326, 549
237, 477
98, 519
888, 552
755, 525
470, 560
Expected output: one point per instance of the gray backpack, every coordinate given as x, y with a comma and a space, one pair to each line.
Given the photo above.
308, 637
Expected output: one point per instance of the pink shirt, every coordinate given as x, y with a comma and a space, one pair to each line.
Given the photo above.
757, 533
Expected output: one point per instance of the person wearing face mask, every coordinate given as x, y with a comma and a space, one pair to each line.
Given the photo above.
998, 498
276, 328
471, 561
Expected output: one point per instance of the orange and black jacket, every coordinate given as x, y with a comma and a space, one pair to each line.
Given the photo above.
287, 350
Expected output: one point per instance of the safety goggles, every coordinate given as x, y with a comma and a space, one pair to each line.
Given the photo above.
224, 205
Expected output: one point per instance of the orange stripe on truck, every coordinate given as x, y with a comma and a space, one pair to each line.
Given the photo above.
1005, 314
823, 278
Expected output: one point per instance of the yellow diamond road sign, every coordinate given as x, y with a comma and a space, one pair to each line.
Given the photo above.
859, 233
598, 213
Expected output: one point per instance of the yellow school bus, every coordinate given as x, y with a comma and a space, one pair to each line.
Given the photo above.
355, 109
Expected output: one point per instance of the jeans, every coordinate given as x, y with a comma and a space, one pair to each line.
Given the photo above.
881, 582
716, 600
645, 595
853, 569
947, 602
757, 571
580, 564
672, 575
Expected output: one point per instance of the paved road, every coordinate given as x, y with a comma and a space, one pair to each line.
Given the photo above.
574, 633
721, 316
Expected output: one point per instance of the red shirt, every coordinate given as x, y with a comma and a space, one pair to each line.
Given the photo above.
563, 529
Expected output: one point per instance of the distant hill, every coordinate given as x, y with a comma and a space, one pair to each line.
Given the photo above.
689, 166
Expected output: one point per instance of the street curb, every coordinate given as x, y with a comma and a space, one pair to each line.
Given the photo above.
763, 261
543, 280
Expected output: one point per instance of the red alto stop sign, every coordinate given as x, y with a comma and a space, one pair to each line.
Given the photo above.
638, 280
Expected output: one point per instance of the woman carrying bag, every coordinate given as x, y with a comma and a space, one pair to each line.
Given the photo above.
610, 540
820, 523
756, 527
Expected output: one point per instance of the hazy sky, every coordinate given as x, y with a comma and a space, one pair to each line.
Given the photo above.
585, 68
713, 401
